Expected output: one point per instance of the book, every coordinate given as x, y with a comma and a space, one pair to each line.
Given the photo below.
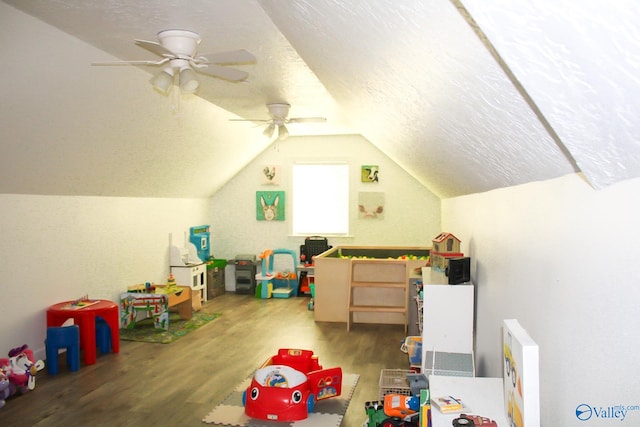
425, 409
448, 404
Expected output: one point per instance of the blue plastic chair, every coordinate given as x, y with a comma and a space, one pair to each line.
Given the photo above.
103, 335
63, 337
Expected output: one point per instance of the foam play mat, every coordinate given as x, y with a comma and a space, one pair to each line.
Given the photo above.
327, 413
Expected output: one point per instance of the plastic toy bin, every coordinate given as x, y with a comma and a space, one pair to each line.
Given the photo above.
394, 381
413, 347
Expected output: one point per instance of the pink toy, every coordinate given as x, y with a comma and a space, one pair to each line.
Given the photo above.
4, 387
21, 369
287, 386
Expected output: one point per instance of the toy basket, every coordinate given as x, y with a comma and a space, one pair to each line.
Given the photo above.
394, 381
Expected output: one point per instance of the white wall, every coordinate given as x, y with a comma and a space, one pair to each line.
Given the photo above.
561, 258
411, 212
60, 248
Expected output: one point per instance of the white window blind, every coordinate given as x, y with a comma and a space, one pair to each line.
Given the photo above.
320, 199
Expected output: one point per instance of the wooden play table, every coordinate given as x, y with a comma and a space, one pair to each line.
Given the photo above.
155, 305
181, 300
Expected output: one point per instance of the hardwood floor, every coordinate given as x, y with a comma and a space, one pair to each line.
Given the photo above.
178, 384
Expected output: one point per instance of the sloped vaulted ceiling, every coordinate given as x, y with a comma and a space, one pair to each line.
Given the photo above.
466, 95
580, 64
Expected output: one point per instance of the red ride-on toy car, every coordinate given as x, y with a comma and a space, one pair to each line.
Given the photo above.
287, 386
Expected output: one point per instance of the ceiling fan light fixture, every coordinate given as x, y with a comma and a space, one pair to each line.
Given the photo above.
283, 132
268, 131
278, 113
188, 80
163, 80
183, 42
278, 110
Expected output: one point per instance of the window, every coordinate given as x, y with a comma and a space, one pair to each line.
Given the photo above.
320, 199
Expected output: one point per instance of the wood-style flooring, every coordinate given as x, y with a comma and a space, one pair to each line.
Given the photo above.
178, 384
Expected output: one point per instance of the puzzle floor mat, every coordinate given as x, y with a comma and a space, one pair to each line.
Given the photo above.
326, 413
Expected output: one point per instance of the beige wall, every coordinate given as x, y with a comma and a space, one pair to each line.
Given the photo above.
537, 256
60, 248
411, 213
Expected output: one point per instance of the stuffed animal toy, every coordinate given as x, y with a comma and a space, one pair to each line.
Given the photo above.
4, 387
21, 369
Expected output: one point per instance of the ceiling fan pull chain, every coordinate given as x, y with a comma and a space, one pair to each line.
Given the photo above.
175, 98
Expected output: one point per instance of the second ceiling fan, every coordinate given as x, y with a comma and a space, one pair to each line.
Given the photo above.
279, 118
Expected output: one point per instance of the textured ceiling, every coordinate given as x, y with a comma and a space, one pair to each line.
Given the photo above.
466, 95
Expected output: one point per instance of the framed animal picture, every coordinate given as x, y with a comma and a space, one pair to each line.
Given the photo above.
270, 174
270, 205
370, 205
369, 173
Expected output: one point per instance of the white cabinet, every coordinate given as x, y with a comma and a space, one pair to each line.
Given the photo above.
194, 276
448, 318
448, 324
484, 396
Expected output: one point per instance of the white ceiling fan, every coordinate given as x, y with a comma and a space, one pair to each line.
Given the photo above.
178, 49
279, 113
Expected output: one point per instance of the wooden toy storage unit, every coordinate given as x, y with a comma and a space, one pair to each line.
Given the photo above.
371, 290
189, 270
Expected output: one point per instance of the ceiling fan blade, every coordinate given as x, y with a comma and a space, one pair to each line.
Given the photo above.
225, 73
156, 48
159, 62
307, 120
231, 57
251, 120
